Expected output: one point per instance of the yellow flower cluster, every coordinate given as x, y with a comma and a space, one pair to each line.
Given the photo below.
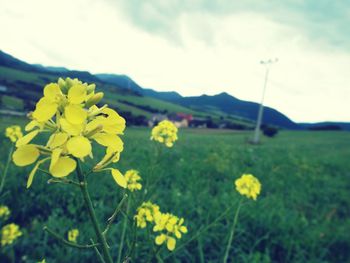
9, 233
68, 112
132, 178
4, 212
13, 133
165, 132
73, 235
146, 213
248, 186
168, 226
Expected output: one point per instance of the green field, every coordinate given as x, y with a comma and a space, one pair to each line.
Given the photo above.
302, 214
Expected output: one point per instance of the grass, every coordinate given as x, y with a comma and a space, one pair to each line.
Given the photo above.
302, 214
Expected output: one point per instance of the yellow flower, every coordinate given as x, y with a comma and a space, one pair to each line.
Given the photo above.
165, 132
13, 133
67, 111
73, 235
168, 226
248, 186
132, 177
170, 241
9, 233
146, 213
4, 212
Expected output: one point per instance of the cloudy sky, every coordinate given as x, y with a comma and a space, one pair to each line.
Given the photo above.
196, 47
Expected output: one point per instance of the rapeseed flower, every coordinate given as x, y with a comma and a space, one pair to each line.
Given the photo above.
73, 235
165, 132
146, 213
132, 178
248, 185
167, 226
9, 233
69, 113
4, 212
13, 133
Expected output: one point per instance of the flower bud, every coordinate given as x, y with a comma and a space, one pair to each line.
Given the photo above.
94, 99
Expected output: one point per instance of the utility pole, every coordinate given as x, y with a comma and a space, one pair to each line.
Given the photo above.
267, 65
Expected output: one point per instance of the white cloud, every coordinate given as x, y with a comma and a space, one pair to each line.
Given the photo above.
210, 54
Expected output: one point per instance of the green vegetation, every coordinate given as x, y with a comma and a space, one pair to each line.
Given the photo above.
302, 214
12, 103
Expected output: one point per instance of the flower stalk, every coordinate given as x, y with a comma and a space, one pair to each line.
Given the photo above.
2, 183
229, 243
125, 224
100, 237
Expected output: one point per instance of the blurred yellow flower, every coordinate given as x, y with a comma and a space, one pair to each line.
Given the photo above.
67, 111
4, 212
168, 226
132, 178
13, 133
165, 132
146, 213
73, 235
9, 233
170, 241
248, 186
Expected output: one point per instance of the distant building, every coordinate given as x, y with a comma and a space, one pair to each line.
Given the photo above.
196, 123
181, 119
156, 118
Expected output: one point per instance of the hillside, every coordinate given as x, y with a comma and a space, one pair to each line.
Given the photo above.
22, 85
230, 105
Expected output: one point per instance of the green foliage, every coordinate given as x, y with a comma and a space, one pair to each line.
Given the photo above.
302, 214
12, 103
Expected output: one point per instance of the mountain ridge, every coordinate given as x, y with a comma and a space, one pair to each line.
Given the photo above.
223, 103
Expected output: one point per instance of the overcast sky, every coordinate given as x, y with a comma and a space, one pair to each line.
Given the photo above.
196, 47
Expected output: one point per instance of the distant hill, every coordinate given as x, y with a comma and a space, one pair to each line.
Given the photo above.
326, 126
128, 83
230, 105
25, 82
121, 81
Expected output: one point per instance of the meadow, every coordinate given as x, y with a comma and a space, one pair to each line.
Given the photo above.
301, 215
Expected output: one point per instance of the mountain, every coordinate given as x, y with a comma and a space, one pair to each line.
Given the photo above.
121, 81
26, 82
223, 102
128, 83
230, 105
326, 126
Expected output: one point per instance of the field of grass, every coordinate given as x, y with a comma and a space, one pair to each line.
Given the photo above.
302, 214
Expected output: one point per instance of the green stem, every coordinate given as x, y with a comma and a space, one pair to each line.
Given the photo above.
125, 224
98, 252
100, 237
201, 231
229, 243
64, 241
114, 215
2, 183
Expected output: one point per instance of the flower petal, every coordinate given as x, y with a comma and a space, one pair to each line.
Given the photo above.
57, 139
79, 146
25, 155
75, 114
111, 141
77, 94
27, 138
51, 91
70, 128
171, 243
63, 167
118, 178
